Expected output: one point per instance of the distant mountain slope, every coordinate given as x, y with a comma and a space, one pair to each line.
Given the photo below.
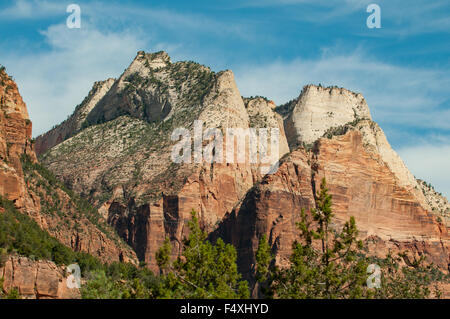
73, 124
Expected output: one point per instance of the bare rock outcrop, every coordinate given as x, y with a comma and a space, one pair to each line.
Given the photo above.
121, 161
36, 279
330, 111
318, 109
15, 140
261, 115
439, 204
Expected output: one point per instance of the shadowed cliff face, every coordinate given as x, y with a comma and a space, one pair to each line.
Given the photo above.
120, 160
39, 195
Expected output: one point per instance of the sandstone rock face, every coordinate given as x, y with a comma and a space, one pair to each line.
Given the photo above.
43, 200
124, 162
15, 140
439, 204
320, 111
73, 124
36, 279
261, 114
361, 185
376, 143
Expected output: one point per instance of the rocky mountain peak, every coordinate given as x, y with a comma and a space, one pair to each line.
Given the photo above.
318, 109
121, 159
11, 101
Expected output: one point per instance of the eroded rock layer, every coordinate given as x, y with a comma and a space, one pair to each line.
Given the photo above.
387, 215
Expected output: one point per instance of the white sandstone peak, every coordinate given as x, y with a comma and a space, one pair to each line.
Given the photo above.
318, 109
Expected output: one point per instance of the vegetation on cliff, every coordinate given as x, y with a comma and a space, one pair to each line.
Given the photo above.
330, 264
21, 235
70, 215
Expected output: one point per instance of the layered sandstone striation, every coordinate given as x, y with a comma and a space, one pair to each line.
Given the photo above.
15, 140
122, 161
439, 205
320, 111
388, 216
36, 279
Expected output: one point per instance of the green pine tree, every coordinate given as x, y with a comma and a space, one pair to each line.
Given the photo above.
204, 270
326, 263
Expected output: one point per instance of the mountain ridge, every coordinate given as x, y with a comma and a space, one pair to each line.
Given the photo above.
120, 160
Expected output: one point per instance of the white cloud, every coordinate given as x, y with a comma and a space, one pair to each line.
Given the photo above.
399, 18
55, 81
430, 163
35, 9
398, 95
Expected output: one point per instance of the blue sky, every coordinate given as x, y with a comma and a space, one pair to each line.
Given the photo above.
273, 47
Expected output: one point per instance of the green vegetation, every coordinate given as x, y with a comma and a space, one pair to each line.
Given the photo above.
330, 264
341, 129
13, 294
121, 281
21, 235
205, 270
196, 79
39, 179
255, 97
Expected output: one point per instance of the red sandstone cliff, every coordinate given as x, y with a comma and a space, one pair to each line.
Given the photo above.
387, 215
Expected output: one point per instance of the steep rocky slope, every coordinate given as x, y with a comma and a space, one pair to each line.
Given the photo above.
121, 161
35, 191
439, 204
320, 111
